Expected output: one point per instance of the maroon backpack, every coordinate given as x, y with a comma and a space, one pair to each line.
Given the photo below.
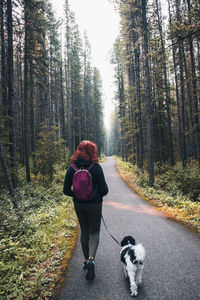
82, 183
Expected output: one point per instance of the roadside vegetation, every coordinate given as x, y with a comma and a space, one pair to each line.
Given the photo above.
176, 189
36, 240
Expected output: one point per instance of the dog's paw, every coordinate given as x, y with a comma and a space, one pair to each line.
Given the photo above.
134, 293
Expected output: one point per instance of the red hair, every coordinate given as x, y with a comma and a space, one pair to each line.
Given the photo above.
86, 150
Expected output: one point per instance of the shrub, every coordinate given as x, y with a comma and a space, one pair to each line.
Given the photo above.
178, 180
33, 240
142, 178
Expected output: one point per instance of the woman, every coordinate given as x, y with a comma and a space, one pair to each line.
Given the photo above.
88, 212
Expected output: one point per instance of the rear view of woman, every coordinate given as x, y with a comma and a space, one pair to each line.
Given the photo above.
88, 210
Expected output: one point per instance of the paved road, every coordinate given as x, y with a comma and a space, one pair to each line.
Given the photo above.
172, 266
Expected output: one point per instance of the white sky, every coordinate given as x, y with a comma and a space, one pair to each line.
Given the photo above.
101, 21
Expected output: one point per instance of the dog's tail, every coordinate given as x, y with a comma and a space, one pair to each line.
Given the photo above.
139, 253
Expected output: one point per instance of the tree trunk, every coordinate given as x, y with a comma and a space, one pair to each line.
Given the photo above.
181, 49
7, 176
180, 142
69, 109
51, 114
121, 111
85, 97
198, 56
137, 70
73, 120
148, 99
3, 56
26, 103
167, 94
189, 122
182, 86
135, 15
32, 113
11, 94
62, 108
194, 94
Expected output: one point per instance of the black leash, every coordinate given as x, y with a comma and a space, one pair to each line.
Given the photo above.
109, 232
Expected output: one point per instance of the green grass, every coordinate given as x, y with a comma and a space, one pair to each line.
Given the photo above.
35, 240
176, 190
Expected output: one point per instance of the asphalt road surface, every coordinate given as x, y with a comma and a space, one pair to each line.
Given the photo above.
172, 264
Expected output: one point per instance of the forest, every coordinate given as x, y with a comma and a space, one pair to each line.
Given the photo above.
156, 58
51, 98
51, 95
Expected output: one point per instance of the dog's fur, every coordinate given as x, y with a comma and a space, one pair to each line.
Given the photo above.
132, 257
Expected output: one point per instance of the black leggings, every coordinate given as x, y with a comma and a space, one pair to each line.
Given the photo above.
89, 217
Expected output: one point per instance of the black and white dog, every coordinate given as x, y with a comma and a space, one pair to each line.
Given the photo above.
132, 257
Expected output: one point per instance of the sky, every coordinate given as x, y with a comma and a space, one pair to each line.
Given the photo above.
101, 22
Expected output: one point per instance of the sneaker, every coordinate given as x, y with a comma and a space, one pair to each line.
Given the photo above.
90, 269
85, 265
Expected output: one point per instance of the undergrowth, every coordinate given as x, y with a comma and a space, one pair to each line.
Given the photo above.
176, 189
34, 239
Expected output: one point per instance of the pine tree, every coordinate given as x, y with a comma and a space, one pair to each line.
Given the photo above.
11, 95
97, 109
120, 95
148, 98
166, 82
87, 85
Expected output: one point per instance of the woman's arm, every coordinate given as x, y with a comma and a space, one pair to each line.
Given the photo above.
67, 188
100, 179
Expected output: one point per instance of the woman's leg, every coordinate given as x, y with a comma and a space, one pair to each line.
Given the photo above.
94, 221
83, 221
89, 217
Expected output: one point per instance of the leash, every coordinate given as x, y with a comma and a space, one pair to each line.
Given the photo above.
116, 241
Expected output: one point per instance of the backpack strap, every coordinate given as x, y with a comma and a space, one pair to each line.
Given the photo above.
88, 168
74, 167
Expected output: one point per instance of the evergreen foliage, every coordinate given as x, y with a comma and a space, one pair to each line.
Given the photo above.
50, 150
45, 81
172, 85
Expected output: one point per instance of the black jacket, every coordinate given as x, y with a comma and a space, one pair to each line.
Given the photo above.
99, 184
